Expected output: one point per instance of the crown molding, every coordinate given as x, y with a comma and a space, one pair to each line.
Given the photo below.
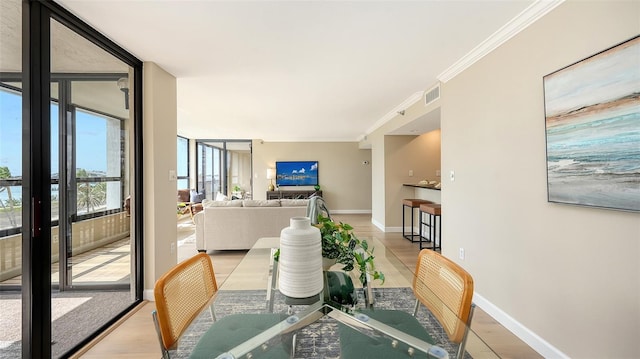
527, 17
393, 113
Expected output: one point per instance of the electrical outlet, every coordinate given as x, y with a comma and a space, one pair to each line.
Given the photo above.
173, 248
410, 173
438, 173
452, 176
461, 253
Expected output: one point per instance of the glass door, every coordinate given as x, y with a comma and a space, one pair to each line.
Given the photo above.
91, 177
70, 239
225, 166
210, 170
11, 187
239, 168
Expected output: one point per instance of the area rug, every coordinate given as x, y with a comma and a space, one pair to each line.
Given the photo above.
75, 315
320, 339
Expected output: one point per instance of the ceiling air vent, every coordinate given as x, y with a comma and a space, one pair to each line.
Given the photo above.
432, 95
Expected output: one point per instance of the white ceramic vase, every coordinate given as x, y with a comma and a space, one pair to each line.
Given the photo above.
300, 263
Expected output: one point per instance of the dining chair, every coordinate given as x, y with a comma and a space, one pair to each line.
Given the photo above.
439, 284
188, 289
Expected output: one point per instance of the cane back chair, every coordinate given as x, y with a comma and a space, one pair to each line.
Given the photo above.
446, 289
183, 293
439, 284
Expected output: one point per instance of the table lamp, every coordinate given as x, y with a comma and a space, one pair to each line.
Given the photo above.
271, 173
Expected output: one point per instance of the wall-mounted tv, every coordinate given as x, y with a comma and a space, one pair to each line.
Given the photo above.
296, 173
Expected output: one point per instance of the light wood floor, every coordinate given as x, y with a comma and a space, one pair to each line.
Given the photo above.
135, 337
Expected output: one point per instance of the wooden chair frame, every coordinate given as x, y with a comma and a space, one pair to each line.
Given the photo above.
181, 295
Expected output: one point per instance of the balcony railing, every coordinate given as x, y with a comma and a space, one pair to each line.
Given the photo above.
87, 235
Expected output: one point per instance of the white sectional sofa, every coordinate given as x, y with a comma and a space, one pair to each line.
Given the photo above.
238, 224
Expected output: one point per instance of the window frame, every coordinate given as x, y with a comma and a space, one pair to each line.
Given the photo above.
62, 80
36, 80
178, 175
223, 161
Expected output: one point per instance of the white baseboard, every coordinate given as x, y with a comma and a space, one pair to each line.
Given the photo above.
351, 211
147, 294
525, 334
385, 229
377, 224
532, 339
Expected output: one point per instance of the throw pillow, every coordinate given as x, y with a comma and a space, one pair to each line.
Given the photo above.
196, 197
221, 197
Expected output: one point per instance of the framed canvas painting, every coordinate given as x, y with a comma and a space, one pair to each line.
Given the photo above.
592, 116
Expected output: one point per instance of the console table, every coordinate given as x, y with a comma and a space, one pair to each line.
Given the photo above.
293, 194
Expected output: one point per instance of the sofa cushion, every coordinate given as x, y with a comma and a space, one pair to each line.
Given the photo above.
232, 330
232, 203
293, 202
232, 228
261, 203
354, 344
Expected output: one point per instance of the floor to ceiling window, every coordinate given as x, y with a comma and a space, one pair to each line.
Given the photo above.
11, 193
224, 166
183, 163
78, 266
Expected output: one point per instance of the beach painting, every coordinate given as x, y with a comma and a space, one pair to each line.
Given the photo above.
592, 115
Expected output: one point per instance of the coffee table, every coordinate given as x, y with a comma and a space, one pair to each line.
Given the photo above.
313, 328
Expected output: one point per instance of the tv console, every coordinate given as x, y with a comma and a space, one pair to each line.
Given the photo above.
293, 194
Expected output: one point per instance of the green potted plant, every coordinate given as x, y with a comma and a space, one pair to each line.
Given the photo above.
339, 243
237, 192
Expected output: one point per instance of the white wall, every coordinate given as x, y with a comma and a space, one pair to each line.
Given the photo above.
378, 180
344, 179
569, 274
159, 129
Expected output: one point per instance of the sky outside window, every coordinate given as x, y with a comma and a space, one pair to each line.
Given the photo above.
91, 142
11, 132
91, 139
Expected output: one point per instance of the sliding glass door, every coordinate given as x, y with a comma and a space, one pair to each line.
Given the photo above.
92, 239
70, 172
224, 166
10, 179
210, 169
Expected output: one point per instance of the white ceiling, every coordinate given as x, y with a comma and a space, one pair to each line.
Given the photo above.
295, 70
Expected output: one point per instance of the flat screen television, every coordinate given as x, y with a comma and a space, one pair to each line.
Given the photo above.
296, 173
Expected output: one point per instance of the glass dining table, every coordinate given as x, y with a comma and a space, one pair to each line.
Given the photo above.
361, 323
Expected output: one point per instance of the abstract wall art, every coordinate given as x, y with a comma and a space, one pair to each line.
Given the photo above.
592, 116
